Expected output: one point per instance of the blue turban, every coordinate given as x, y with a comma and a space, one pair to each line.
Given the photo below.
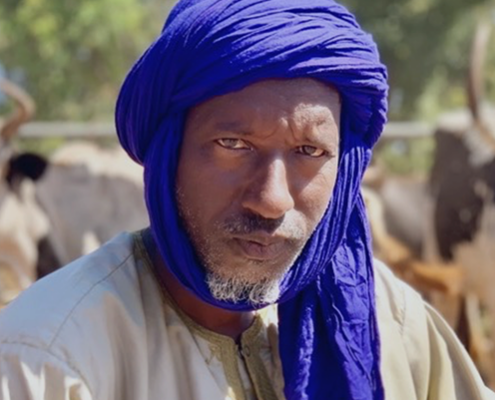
329, 341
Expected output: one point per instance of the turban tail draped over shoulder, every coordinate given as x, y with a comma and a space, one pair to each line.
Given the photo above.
329, 341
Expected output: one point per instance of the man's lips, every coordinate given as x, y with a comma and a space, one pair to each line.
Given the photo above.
260, 247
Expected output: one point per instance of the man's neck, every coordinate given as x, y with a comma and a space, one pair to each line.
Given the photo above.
219, 320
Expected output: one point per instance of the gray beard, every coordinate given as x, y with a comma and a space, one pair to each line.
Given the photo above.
235, 289
242, 286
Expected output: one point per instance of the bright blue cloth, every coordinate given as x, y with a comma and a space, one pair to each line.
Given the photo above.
329, 341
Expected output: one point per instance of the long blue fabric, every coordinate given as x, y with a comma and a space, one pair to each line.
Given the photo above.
329, 341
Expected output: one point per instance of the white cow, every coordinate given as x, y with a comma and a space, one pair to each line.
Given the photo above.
90, 194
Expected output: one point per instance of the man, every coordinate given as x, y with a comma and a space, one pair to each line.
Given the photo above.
254, 121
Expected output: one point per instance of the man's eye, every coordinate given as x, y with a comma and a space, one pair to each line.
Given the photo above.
311, 151
234, 144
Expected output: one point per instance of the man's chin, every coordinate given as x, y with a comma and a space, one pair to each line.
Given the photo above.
236, 289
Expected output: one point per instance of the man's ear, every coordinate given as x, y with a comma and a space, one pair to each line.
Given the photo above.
25, 165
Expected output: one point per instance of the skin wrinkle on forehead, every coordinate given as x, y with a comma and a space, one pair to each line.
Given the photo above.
293, 115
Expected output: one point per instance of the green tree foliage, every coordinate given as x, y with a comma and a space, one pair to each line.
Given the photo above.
425, 45
71, 55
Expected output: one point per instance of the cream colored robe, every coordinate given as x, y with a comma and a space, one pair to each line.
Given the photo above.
101, 329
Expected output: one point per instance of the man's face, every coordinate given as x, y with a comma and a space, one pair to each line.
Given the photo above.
256, 173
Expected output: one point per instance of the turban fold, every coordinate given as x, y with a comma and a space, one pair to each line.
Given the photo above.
329, 340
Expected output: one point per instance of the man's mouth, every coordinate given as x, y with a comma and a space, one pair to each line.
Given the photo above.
261, 248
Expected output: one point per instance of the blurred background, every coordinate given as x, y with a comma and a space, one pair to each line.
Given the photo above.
66, 187
71, 56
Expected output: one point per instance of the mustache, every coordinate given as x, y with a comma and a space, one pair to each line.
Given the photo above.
248, 223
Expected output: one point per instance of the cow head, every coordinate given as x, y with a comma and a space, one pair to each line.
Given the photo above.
23, 166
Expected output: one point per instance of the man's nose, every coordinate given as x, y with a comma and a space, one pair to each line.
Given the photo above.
268, 193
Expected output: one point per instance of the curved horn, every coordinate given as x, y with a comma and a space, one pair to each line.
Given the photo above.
24, 109
475, 80
476, 64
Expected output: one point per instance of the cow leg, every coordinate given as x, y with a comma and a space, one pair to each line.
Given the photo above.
477, 340
47, 258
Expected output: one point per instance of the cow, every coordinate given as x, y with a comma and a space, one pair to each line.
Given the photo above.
462, 184
22, 223
89, 194
55, 210
85, 195
447, 223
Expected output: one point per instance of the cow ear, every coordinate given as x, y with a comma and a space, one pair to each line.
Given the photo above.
25, 165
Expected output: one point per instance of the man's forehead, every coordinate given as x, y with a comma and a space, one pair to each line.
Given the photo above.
299, 96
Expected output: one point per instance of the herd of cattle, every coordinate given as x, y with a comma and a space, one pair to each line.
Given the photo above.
437, 233
53, 211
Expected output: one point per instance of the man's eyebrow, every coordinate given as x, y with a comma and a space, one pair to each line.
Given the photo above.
233, 127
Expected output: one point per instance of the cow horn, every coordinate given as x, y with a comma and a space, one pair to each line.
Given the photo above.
475, 79
23, 112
